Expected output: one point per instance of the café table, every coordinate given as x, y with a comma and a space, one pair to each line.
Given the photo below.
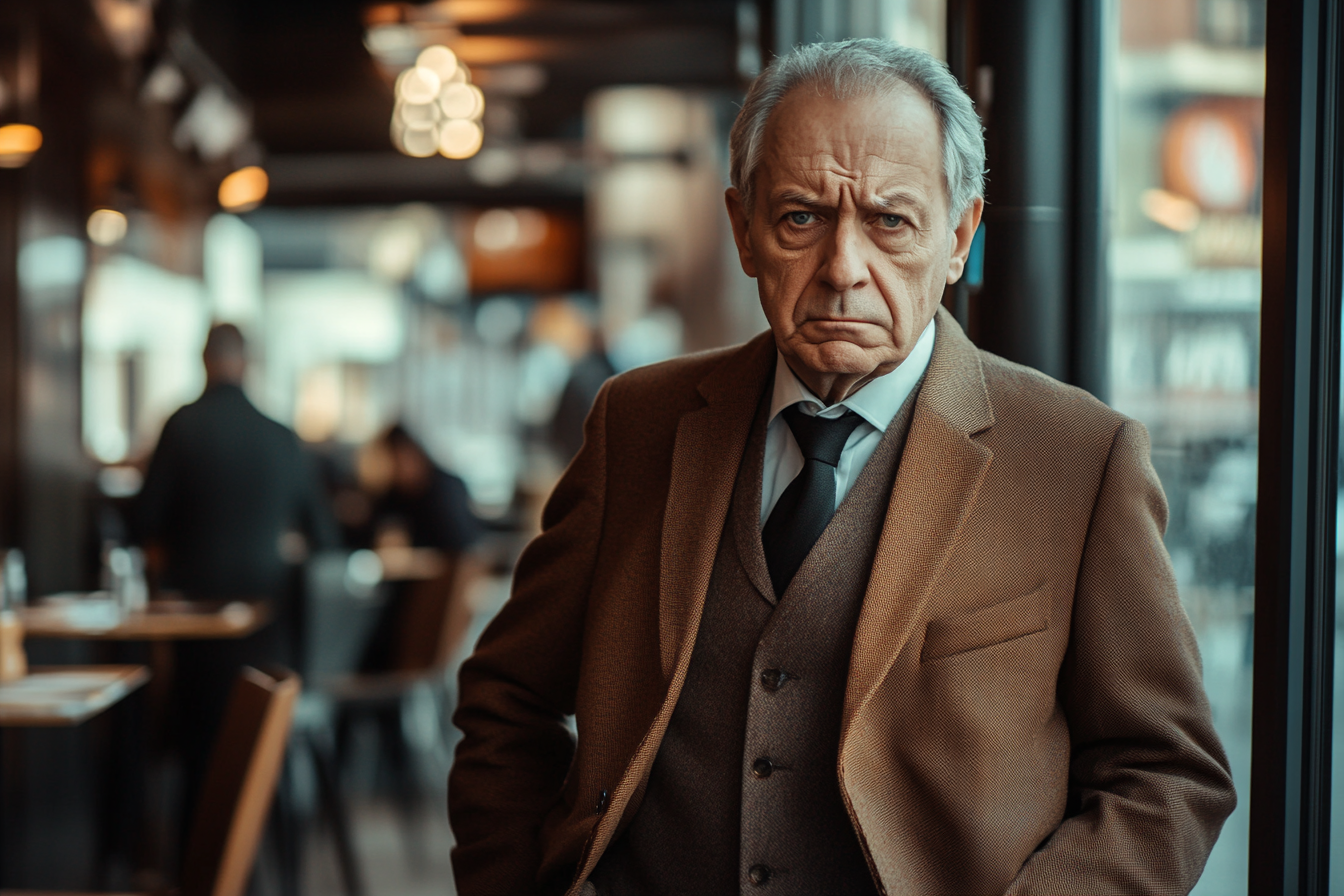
63, 697
94, 617
410, 564
55, 696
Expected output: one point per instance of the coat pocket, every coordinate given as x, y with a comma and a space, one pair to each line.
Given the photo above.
987, 626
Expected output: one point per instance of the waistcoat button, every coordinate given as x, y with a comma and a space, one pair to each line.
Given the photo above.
762, 767
759, 875
773, 679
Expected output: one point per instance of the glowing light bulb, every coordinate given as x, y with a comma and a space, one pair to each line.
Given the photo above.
460, 139
438, 59
106, 226
436, 88
416, 142
462, 101
18, 142
421, 116
244, 189
418, 85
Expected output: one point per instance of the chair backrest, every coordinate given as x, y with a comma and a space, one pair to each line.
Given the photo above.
436, 616
239, 784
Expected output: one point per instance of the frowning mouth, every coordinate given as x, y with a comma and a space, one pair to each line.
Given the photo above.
840, 321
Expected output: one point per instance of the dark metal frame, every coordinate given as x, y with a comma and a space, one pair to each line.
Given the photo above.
1046, 223
1023, 311
1089, 286
1299, 439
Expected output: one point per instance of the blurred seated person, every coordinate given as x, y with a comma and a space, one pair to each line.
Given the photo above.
225, 490
416, 503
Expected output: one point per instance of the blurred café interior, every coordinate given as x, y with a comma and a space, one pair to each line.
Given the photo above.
435, 228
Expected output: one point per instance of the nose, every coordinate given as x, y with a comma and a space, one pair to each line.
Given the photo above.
845, 266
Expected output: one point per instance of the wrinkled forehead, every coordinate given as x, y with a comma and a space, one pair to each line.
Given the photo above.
887, 137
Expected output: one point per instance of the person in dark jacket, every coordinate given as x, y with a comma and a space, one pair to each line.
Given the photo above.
427, 502
420, 505
225, 487
226, 483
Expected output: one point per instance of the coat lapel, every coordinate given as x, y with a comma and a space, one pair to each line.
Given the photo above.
939, 476
709, 446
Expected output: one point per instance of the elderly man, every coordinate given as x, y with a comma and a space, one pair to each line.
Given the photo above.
854, 607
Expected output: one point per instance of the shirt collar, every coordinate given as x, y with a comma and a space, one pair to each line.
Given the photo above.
877, 402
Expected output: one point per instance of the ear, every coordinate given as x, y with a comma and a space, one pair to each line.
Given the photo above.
737, 216
961, 240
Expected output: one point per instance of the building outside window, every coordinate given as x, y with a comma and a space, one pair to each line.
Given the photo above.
1185, 87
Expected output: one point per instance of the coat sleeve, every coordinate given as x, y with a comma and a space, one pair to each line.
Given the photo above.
520, 684
150, 513
1149, 781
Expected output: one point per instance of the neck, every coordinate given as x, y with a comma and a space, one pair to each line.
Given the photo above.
834, 388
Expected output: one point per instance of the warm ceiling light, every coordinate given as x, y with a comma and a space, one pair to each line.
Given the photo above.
477, 12
18, 142
462, 101
416, 142
107, 226
436, 88
421, 116
382, 14
460, 139
438, 59
244, 189
418, 85
129, 24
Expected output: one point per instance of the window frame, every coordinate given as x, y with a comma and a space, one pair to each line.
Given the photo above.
1291, 727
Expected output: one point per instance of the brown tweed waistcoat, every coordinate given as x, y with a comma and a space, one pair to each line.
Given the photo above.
745, 780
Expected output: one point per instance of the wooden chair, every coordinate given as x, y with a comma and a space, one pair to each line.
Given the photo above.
434, 618
238, 788
433, 621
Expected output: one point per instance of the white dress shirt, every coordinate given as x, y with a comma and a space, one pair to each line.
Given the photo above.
876, 403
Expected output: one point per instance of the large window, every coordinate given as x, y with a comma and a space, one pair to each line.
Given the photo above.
1186, 82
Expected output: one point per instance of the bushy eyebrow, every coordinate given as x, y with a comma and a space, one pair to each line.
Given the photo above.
884, 201
794, 197
897, 198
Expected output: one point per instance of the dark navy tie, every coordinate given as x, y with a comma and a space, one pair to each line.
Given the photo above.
807, 505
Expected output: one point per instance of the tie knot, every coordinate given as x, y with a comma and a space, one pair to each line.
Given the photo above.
820, 438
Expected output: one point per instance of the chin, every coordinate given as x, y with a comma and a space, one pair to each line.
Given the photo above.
847, 358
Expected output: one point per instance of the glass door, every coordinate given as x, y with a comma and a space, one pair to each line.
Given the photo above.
1186, 84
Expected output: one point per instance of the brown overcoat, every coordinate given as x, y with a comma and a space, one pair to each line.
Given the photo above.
1024, 711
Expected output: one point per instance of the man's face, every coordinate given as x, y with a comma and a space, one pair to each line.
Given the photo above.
849, 239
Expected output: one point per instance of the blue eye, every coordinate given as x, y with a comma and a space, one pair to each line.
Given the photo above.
892, 220
800, 218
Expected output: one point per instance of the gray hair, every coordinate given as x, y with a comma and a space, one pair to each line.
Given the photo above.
858, 67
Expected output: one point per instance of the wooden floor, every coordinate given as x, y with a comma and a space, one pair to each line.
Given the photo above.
378, 833
381, 848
